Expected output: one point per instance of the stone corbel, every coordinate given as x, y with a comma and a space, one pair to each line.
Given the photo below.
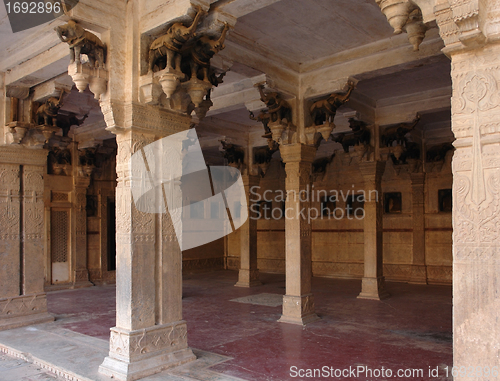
84, 75
405, 16
18, 92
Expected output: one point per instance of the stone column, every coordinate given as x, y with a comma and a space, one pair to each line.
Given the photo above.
373, 283
150, 334
22, 297
249, 274
80, 185
298, 303
476, 208
418, 268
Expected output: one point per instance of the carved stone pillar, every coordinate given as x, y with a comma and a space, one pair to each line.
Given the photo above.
418, 268
80, 185
249, 274
22, 298
476, 207
150, 334
373, 283
298, 303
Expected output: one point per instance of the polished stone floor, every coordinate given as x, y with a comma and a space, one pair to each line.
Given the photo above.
409, 332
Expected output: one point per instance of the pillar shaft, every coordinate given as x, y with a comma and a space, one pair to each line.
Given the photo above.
249, 274
476, 208
150, 334
373, 283
22, 298
298, 303
81, 276
418, 268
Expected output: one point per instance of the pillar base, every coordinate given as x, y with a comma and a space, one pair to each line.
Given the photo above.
373, 289
24, 310
248, 278
418, 274
298, 310
141, 353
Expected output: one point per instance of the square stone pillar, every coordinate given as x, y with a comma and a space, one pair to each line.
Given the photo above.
22, 297
298, 303
476, 209
150, 335
418, 268
373, 283
80, 185
248, 275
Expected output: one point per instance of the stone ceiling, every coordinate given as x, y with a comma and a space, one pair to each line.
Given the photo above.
291, 37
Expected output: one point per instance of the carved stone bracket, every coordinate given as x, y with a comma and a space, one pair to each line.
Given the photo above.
84, 75
405, 16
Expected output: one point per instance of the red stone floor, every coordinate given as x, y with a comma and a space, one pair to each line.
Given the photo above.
410, 330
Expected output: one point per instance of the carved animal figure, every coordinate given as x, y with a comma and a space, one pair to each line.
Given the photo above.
397, 133
319, 165
347, 140
170, 43
263, 154
87, 156
81, 41
278, 108
233, 153
324, 110
47, 113
411, 151
438, 153
264, 117
201, 54
65, 121
360, 131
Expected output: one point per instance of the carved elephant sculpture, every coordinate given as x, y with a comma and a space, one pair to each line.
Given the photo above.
324, 110
278, 108
170, 44
411, 151
347, 140
66, 121
46, 114
438, 153
262, 155
264, 117
80, 42
319, 165
233, 153
360, 131
201, 54
398, 133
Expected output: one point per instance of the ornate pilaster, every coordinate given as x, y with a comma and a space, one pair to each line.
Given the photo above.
150, 334
418, 268
80, 185
373, 283
249, 273
22, 300
298, 303
476, 206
